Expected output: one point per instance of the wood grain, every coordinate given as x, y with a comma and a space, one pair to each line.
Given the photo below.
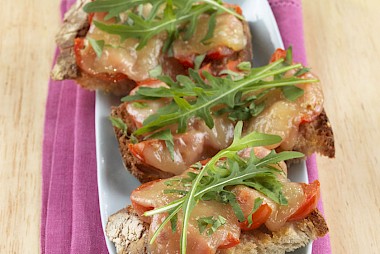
343, 46
27, 47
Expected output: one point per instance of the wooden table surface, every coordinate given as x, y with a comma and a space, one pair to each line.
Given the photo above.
343, 46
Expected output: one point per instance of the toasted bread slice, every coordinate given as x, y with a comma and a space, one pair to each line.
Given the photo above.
314, 137
76, 25
130, 235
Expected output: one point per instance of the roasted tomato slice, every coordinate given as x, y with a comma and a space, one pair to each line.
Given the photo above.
206, 68
186, 61
277, 55
79, 45
219, 53
230, 242
148, 82
139, 208
312, 194
258, 218
234, 7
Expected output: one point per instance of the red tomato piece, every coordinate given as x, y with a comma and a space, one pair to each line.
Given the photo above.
137, 150
219, 53
140, 209
186, 61
148, 82
206, 68
312, 194
258, 218
230, 242
277, 55
232, 65
234, 7
90, 17
78, 47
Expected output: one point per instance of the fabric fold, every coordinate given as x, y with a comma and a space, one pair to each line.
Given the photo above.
70, 216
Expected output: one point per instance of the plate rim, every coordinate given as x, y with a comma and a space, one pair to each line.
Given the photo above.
103, 103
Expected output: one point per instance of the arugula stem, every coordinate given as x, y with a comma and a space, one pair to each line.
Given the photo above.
189, 201
251, 79
125, 29
219, 6
166, 208
174, 213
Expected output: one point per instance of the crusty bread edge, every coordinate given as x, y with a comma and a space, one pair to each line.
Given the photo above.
316, 136
130, 235
139, 169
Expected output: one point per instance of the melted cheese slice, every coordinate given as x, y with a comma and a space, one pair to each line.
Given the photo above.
283, 117
122, 57
229, 32
152, 195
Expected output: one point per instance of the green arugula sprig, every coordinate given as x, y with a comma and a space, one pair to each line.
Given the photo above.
213, 180
194, 97
177, 14
210, 224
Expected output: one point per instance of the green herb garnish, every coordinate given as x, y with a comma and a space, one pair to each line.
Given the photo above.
210, 223
194, 97
97, 45
292, 93
244, 66
212, 182
119, 123
154, 73
198, 61
302, 71
177, 14
140, 104
166, 136
256, 206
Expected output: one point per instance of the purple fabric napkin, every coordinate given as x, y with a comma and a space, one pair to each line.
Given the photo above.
70, 218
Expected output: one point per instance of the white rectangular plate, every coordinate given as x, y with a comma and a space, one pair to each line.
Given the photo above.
115, 184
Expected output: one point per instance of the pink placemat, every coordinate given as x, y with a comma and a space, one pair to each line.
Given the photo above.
70, 217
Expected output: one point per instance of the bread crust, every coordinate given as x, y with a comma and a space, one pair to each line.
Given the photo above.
130, 235
143, 172
316, 136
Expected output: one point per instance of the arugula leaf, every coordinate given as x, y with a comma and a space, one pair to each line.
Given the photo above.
289, 56
302, 71
210, 223
174, 221
233, 75
156, 72
140, 104
177, 13
144, 30
244, 66
198, 61
97, 45
192, 97
256, 206
166, 136
292, 93
211, 29
113, 7
213, 180
119, 123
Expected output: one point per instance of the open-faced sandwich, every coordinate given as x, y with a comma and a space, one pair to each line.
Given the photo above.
114, 45
164, 126
191, 94
239, 201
